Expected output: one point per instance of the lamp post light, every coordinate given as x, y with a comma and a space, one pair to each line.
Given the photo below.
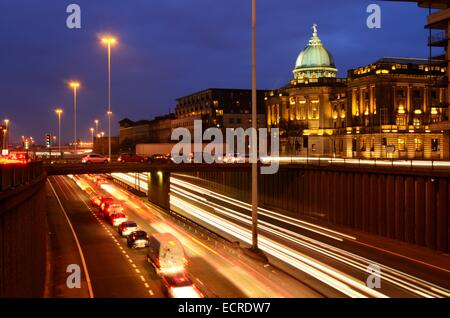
59, 112
6, 133
92, 134
75, 86
255, 127
96, 125
109, 41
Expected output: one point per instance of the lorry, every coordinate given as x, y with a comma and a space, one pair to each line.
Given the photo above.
166, 254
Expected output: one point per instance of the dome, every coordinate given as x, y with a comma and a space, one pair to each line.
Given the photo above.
315, 60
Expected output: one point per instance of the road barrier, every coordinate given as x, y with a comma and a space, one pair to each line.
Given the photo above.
23, 234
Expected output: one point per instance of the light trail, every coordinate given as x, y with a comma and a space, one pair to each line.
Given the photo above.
402, 280
244, 277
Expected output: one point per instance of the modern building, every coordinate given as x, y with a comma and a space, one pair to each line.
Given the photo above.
132, 133
392, 108
218, 107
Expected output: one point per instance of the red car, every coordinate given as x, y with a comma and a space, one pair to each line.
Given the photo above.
103, 201
128, 157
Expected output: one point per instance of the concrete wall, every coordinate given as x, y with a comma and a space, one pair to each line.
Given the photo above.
409, 207
22, 231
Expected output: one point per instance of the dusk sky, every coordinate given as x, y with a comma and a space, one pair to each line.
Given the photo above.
171, 48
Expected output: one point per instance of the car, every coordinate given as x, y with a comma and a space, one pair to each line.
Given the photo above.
180, 286
103, 201
159, 158
95, 199
94, 158
126, 228
117, 218
137, 239
111, 207
128, 157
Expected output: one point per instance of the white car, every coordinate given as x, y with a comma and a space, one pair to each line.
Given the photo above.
94, 158
127, 227
180, 286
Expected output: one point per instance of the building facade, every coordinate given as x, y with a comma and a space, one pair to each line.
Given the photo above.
392, 108
218, 107
132, 133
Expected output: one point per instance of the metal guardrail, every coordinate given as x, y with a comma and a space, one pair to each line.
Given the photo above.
14, 175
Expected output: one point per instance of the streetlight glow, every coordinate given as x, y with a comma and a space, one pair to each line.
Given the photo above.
74, 84
109, 40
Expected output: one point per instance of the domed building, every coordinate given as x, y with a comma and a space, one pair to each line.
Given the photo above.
312, 106
314, 61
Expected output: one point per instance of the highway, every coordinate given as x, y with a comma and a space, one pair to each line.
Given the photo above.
115, 270
339, 260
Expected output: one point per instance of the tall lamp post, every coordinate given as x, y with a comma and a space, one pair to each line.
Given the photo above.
255, 127
109, 41
92, 135
96, 126
59, 112
75, 86
6, 133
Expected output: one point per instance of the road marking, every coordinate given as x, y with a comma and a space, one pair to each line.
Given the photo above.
147, 285
83, 261
142, 278
137, 271
150, 292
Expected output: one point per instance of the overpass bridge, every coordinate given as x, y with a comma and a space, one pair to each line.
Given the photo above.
408, 202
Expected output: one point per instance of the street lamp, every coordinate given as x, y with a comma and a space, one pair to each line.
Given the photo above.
92, 133
59, 112
6, 133
96, 126
255, 127
109, 41
75, 86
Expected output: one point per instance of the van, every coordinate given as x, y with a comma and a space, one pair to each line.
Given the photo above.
166, 254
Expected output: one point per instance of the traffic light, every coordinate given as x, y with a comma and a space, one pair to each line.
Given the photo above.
26, 144
48, 140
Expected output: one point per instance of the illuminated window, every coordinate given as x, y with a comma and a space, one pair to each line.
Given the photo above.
363, 144
401, 144
435, 144
416, 122
418, 144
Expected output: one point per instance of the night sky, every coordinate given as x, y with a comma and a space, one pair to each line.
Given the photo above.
171, 48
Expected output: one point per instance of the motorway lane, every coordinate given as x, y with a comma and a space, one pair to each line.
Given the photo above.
216, 271
344, 256
114, 270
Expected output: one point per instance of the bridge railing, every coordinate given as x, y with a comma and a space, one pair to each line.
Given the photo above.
15, 175
410, 164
